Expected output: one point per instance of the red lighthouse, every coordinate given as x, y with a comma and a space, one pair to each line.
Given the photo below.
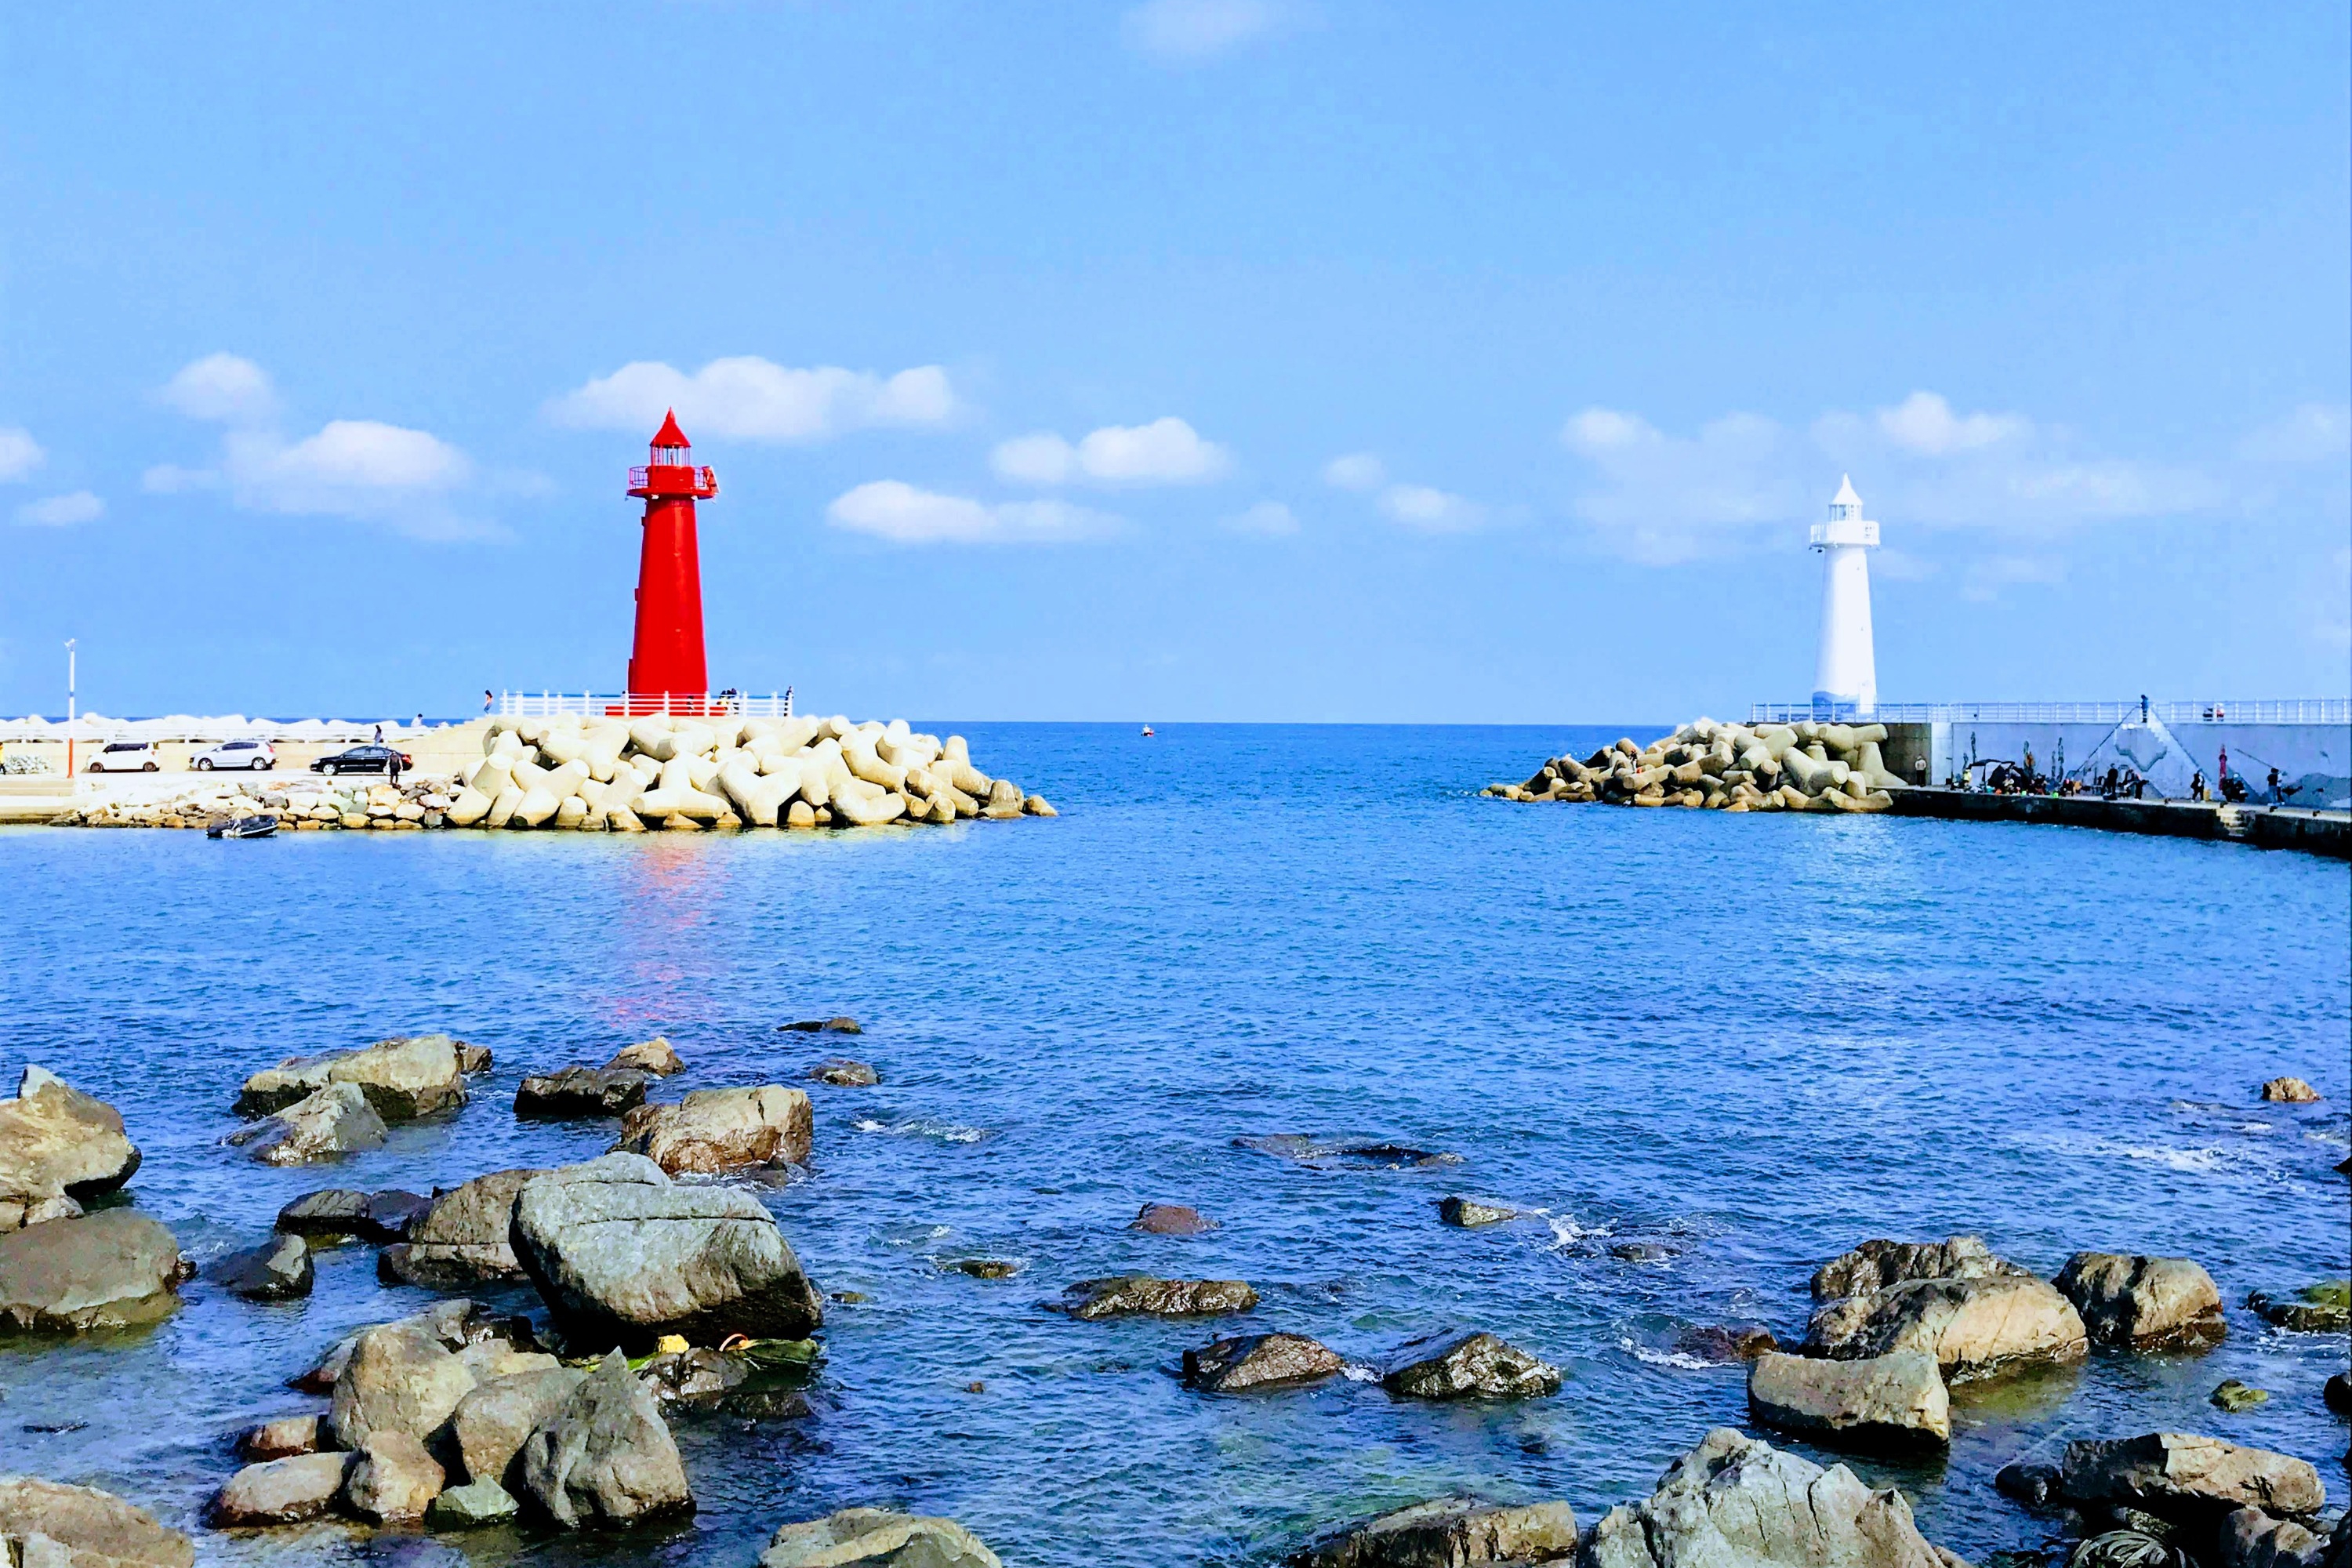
666, 664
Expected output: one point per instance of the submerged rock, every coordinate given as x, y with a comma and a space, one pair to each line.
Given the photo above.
697, 1376
326, 1125
96, 1529
606, 1457
1724, 1344
655, 1056
279, 1270
578, 1093
1323, 1153
1132, 1295
341, 1211
624, 1256
462, 1239
392, 1479
113, 1270
58, 1147
842, 1025
1879, 1265
2290, 1091
1970, 1325
1448, 1532
714, 1129
1170, 1219
1734, 1499
2127, 1299
2231, 1395
1469, 1212
2180, 1475
403, 1079
2322, 1309
1260, 1362
983, 1267
844, 1073
1467, 1366
279, 1492
876, 1537
2035, 1486
1893, 1401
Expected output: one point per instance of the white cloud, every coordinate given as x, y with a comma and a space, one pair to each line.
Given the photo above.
1267, 517
223, 387
1430, 510
891, 509
172, 479
1924, 423
753, 399
1663, 497
1168, 451
62, 511
1355, 471
1188, 30
2314, 433
19, 454
1989, 576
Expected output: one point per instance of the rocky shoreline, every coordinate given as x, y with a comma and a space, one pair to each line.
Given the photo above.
667, 1290
592, 775
1805, 766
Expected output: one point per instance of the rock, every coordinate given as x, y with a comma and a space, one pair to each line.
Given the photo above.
392, 1479
1726, 1342
1467, 1366
97, 1530
281, 1439
1641, 1251
494, 1417
1170, 1219
333, 1212
2233, 1397
1735, 1501
623, 1255
983, 1267
281, 1491
391, 1212
876, 1537
473, 1060
696, 1376
2178, 1475
1141, 1295
279, 1270
1448, 1532
2142, 1302
2336, 1393
1260, 1361
1880, 1265
607, 1458
577, 1092
822, 1025
1969, 1325
462, 1239
1893, 1401
842, 1073
399, 1377
714, 1129
457, 1326
2035, 1486
471, 1507
2252, 1539
1321, 1154
2290, 1091
404, 1078
1469, 1212
655, 1056
329, 1124
112, 1270
2321, 1309
1034, 805
57, 1143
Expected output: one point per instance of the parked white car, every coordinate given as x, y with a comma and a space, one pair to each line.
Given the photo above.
126, 757
258, 756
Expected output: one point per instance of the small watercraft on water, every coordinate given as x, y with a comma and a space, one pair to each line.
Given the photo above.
244, 827
1146, 731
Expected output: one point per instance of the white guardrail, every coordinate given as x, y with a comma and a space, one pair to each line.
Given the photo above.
644, 704
2261, 710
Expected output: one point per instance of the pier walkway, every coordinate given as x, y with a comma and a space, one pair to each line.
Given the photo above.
2264, 826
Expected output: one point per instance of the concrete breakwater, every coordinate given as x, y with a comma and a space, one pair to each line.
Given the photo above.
583, 774
1806, 766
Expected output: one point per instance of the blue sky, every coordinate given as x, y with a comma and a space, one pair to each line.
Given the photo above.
1198, 359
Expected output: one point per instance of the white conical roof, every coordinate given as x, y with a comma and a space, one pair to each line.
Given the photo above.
1845, 496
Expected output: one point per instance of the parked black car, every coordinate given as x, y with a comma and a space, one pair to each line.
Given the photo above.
364, 760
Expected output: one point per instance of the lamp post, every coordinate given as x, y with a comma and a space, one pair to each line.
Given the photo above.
70, 712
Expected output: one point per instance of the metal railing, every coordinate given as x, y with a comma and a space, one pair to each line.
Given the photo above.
644, 704
2261, 710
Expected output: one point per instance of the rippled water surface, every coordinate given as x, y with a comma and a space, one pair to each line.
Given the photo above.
1754, 1041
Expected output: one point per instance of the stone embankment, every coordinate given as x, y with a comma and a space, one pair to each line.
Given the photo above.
603, 775
1806, 766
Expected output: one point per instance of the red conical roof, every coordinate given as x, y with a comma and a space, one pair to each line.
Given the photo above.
669, 435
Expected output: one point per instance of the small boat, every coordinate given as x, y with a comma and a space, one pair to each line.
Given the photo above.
1146, 731
245, 827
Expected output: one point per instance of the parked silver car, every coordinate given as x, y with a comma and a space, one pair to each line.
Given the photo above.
258, 756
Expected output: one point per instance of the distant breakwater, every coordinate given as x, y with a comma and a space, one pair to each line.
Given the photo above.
1806, 766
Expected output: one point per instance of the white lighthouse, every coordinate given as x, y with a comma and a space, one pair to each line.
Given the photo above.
1846, 680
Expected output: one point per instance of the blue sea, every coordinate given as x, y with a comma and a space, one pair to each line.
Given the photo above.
1750, 1041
